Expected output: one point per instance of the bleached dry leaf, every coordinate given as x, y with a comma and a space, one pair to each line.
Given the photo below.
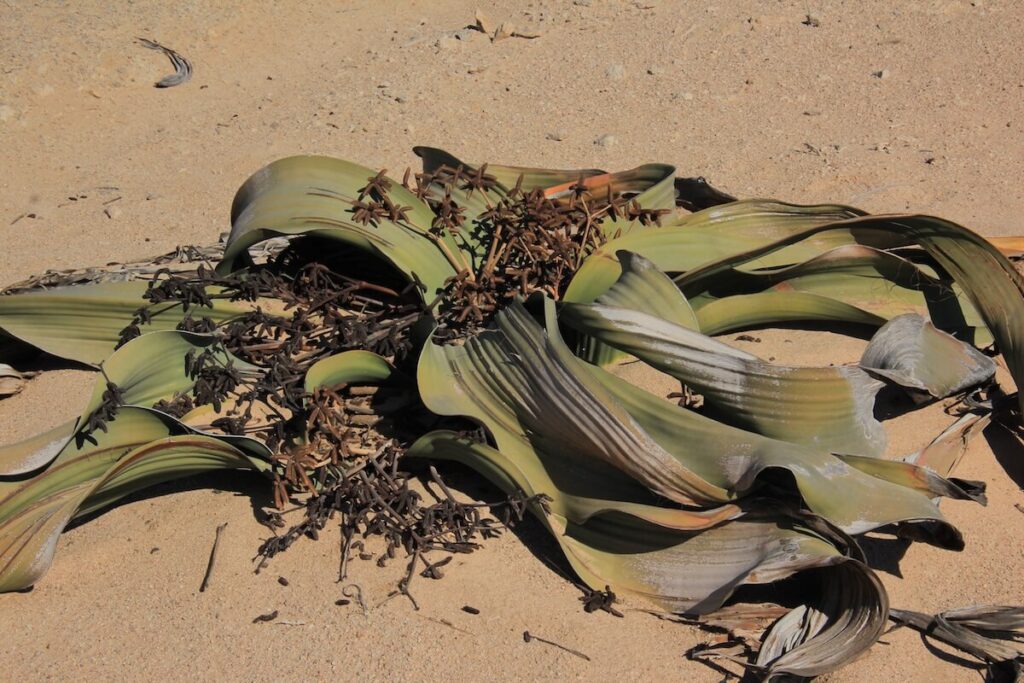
12, 381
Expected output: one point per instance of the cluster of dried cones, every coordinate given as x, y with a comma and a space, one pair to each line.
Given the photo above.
524, 242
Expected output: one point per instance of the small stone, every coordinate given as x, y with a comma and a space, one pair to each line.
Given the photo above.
557, 136
112, 212
615, 72
606, 140
882, 73
506, 30
653, 71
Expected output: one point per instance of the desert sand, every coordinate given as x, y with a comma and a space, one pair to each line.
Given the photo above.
913, 106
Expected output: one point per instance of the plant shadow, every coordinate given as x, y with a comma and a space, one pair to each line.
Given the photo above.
240, 483
529, 531
1007, 446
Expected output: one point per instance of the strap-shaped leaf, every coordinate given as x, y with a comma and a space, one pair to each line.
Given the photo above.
910, 351
640, 287
154, 366
140, 448
846, 615
146, 370
947, 449
529, 391
987, 278
990, 633
845, 495
720, 231
347, 367
84, 323
871, 280
679, 560
315, 195
746, 311
828, 408
36, 451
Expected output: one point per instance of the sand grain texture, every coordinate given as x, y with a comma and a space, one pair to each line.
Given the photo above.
917, 108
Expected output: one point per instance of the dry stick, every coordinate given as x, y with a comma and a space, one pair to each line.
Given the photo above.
357, 593
460, 265
527, 637
346, 548
445, 622
213, 558
403, 585
265, 617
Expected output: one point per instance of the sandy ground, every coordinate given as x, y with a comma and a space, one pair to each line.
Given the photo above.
911, 109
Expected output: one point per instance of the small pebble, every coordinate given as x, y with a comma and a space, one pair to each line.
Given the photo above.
606, 140
883, 73
557, 136
283, 581
470, 610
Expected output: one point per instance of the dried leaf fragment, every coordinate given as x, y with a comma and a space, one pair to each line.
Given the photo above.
484, 23
505, 30
13, 381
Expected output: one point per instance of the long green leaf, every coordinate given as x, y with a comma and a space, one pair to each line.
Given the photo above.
314, 195
910, 351
828, 408
140, 448
531, 393
720, 231
873, 281
348, 367
987, 278
84, 323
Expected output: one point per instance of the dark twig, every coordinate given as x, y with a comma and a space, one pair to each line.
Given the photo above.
213, 558
527, 637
